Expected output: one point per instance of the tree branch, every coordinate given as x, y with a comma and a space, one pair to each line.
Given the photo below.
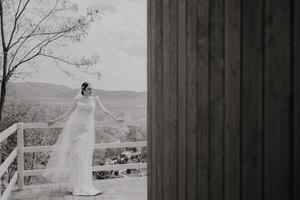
47, 41
19, 39
57, 58
17, 16
98, 74
25, 59
4, 72
2, 27
24, 7
43, 34
32, 32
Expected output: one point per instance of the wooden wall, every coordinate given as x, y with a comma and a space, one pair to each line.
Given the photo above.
223, 99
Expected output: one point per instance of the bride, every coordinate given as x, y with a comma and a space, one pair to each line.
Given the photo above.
71, 159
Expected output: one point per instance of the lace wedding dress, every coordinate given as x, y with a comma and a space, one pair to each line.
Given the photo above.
71, 160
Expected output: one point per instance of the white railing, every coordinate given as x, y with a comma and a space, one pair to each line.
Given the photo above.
20, 150
4, 166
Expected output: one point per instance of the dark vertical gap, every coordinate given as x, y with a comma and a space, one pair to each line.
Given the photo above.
177, 77
169, 57
177, 90
155, 97
161, 95
224, 107
178, 93
163, 92
161, 102
177, 125
241, 100
185, 80
292, 23
197, 99
263, 100
157, 134
208, 102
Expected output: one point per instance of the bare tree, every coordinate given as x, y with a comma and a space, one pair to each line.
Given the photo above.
30, 29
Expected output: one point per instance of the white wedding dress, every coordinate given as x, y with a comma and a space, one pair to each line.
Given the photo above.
71, 161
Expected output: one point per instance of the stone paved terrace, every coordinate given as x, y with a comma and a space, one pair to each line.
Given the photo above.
129, 188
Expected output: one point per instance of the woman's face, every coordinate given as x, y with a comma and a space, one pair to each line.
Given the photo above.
88, 90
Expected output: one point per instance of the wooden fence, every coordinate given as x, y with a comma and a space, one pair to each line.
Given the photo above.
19, 151
4, 166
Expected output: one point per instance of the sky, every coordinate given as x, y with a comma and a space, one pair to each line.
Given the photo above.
119, 38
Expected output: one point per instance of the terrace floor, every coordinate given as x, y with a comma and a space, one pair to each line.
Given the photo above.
128, 188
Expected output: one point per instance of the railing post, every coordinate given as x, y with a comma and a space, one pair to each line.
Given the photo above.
20, 145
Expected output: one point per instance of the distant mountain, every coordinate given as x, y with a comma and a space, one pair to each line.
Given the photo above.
46, 90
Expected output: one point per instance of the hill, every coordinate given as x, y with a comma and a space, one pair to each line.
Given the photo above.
40, 90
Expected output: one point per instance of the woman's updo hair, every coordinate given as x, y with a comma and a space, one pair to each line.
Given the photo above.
83, 86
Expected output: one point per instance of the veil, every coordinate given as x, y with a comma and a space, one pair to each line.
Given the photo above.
57, 167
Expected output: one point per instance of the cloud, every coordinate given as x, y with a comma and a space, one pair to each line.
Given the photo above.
109, 8
120, 39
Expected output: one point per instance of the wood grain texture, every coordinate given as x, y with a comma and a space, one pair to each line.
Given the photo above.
296, 100
182, 108
173, 99
166, 99
224, 91
153, 100
159, 98
202, 96
252, 100
277, 100
191, 100
216, 101
149, 104
232, 99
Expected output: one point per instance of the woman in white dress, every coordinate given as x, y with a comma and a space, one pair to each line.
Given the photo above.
71, 160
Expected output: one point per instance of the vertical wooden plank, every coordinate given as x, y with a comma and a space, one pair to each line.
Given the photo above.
191, 100
277, 100
232, 99
182, 95
166, 98
153, 100
173, 99
252, 99
217, 100
202, 132
296, 100
149, 103
159, 98
20, 145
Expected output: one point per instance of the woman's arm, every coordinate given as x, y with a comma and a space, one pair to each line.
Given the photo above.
104, 109
65, 115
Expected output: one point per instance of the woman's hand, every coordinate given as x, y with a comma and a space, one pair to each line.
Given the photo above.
50, 123
119, 120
